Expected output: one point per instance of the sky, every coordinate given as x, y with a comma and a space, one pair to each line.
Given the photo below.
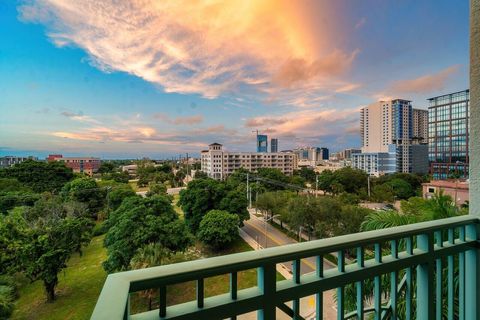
146, 78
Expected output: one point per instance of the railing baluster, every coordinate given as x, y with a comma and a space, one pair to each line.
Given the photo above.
378, 284
394, 282
438, 277
233, 289
425, 305
200, 292
319, 296
461, 278
162, 302
340, 290
359, 285
126, 313
450, 278
296, 278
408, 289
266, 279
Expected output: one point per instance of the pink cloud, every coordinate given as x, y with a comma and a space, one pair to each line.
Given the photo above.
424, 84
187, 120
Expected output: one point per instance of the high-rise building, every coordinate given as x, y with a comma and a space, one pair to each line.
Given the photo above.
262, 143
448, 134
324, 153
420, 125
397, 123
219, 164
274, 145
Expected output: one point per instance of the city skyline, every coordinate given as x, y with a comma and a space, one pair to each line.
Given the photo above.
146, 83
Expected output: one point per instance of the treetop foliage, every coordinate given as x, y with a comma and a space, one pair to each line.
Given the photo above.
39, 176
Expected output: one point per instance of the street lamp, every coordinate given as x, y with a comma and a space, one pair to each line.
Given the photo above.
265, 220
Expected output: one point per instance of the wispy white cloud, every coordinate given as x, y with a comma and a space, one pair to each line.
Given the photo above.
79, 117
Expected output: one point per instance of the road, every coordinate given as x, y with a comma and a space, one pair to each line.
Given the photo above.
171, 191
255, 228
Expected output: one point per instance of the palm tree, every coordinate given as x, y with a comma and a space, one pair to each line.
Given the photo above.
151, 255
440, 206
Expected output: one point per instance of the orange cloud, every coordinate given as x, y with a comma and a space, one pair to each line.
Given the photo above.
206, 47
293, 70
424, 84
306, 122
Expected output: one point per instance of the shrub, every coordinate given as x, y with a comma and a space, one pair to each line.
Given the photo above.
7, 296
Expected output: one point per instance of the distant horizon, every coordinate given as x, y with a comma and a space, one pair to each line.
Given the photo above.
128, 80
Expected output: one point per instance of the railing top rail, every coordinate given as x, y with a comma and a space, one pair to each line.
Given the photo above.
135, 280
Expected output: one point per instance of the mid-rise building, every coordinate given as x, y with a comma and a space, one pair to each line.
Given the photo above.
87, 165
311, 156
389, 127
9, 161
262, 143
376, 163
448, 135
218, 163
274, 145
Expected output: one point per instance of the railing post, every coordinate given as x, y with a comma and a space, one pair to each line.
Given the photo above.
472, 283
266, 279
425, 307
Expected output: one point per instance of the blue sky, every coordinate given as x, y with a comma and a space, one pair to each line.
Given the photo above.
159, 79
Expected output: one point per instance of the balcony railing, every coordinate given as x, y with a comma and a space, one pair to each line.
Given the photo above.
417, 259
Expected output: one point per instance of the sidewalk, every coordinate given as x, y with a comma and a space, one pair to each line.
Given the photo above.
307, 304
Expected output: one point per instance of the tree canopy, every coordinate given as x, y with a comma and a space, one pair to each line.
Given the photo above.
218, 229
38, 241
203, 195
39, 176
85, 190
140, 221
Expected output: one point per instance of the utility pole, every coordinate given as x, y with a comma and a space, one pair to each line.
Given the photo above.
316, 186
256, 196
368, 182
248, 192
187, 167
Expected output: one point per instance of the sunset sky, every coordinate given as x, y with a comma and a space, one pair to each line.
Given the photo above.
159, 78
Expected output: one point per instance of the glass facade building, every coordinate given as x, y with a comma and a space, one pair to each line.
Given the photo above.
448, 128
274, 145
262, 143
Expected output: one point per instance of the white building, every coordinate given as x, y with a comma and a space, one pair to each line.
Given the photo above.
9, 161
387, 123
218, 163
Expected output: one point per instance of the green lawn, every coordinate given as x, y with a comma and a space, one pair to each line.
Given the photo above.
178, 210
77, 292
81, 282
185, 292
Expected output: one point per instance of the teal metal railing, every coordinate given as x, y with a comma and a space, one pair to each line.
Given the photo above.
415, 257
